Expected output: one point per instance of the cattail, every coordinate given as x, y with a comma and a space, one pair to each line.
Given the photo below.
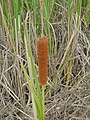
42, 49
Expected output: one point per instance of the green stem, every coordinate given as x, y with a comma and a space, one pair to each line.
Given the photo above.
43, 87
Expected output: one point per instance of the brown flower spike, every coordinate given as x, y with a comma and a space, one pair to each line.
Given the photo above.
42, 49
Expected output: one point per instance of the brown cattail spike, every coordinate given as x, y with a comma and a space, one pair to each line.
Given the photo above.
42, 49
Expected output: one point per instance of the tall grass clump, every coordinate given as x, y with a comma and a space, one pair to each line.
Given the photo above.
17, 35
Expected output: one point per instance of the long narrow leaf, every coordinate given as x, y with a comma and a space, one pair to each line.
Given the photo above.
31, 88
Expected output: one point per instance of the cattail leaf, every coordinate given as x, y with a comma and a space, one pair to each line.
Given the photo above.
31, 88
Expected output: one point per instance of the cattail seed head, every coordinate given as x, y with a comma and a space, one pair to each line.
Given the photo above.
42, 50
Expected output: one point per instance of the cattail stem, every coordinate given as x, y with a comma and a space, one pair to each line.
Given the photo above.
41, 12
43, 87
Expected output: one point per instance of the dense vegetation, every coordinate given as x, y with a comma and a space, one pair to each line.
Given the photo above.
67, 93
